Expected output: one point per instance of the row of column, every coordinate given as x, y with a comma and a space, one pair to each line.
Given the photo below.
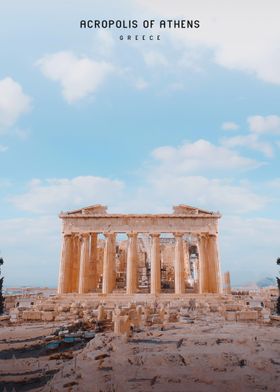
78, 267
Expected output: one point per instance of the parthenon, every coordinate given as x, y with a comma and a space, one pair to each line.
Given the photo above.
132, 253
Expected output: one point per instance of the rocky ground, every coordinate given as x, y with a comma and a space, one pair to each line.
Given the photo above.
204, 353
25, 361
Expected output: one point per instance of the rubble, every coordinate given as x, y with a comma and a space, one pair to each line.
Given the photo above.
187, 308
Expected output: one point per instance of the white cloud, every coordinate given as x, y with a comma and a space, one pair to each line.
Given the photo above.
230, 126
19, 231
13, 103
104, 43
274, 184
78, 77
153, 59
190, 59
211, 194
249, 141
202, 174
264, 124
241, 35
141, 84
259, 126
200, 156
54, 195
180, 174
197, 174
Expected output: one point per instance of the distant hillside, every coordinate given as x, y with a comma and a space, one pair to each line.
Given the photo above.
265, 282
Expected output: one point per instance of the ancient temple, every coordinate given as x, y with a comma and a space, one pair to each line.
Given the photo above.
132, 253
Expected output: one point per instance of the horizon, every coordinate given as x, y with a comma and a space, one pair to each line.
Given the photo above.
87, 118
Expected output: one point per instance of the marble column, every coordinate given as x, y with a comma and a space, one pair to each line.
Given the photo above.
214, 276
196, 273
187, 266
64, 280
202, 266
131, 265
179, 264
227, 285
209, 265
109, 276
155, 264
93, 260
84, 264
76, 249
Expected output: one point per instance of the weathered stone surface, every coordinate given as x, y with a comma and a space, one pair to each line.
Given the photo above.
230, 316
61, 317
247, 315
48, 307
121, 325
101, 313
14, 314
233, 307
48, 316
227, 285
64, 308
30, 315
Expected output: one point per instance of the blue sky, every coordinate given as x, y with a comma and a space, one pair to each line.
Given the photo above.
139, 126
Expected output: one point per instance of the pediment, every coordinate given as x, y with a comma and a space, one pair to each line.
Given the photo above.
186, 209
96, 209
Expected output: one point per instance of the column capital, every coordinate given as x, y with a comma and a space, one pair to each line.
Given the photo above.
109, 234
155, 235
202, 235
84, 235
132, 234
179, 235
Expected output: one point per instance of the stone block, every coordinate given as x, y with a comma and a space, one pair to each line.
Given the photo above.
48, 316
230, 316
101, 315
14, 314
121, 325
31, 315
48, 307
64, 308
265, 314
232, 307
4, 318
61, 318
247, 315
64, 316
